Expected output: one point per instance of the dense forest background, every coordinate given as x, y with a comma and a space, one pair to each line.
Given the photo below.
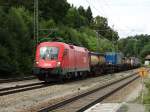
73, 25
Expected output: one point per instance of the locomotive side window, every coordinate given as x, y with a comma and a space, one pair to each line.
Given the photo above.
49, 53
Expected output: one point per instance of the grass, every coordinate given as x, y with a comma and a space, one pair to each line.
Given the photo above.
123, 108
146, 99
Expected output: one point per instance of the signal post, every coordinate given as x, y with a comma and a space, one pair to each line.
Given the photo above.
143, 72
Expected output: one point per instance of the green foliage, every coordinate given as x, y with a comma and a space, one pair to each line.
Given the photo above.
53, 9
135, 46
72, 25
45, 24
146, 99
16, 44
48, 9
85, 37
74, 19
82, 11
101, 26
89, 15
145, 51
28, 4
45, 34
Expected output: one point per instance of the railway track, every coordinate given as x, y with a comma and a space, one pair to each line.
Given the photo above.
16, 79
22, 88
31, 86
26, 87
83, 101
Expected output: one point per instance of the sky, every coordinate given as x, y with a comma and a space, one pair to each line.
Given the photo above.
127, 17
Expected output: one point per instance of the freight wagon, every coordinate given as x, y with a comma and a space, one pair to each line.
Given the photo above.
97, 63
133, 62
114, 62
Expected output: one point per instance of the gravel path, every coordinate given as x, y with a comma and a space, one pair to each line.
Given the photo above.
23, 100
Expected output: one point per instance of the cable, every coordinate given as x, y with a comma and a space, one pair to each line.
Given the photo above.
103, 14
90, 4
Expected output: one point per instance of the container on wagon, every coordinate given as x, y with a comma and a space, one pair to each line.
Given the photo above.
134, 61
113, 58
96, 58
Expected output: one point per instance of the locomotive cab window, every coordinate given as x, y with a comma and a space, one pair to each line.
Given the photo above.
49, 53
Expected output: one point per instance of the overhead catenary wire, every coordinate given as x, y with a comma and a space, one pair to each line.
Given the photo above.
91, 5
36, 20
102, 8
109, 7
113, 43
103, 14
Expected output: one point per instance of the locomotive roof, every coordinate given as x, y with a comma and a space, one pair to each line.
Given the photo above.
78, 48
51, 42
97, 53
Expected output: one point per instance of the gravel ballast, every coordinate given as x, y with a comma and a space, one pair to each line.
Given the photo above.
25, 100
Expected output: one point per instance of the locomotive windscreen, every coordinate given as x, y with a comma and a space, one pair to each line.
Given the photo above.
49, 53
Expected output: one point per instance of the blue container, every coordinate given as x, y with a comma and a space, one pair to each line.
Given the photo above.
113, 58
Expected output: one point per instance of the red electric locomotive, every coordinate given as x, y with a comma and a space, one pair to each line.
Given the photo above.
57, 60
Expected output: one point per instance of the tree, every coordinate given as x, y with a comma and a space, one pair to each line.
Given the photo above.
145, 51
137, 45
73, 25
74, 19
101, 26
28, 4
16, 43
81, 11
53, 9
89, 15
48, 9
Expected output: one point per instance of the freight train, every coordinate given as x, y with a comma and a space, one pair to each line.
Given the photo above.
59, 61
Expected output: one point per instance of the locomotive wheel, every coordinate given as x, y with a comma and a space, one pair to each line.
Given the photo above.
84, 75
61, 79
41, 78
68, 76
47, 80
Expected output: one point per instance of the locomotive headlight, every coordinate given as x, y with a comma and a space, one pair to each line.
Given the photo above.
37, 62
58, 64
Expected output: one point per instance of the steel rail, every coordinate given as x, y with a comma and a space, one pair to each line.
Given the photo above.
25, 87
106, 95
16, 79
75, 98
22, 88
